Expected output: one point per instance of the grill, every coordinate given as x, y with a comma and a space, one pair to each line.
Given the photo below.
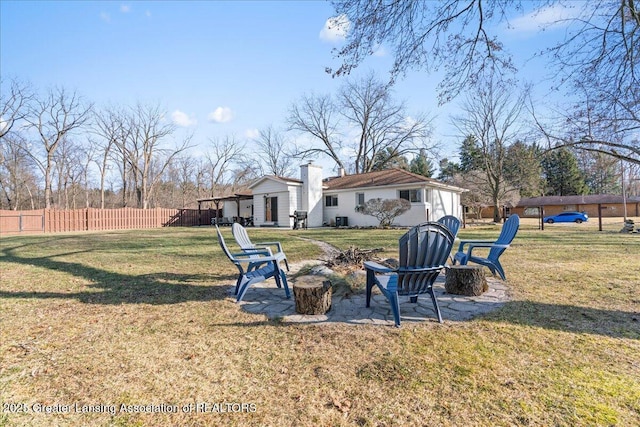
299, 219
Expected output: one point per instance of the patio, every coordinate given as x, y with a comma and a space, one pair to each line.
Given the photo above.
264, 298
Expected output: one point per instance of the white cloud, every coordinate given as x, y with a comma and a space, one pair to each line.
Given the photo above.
125, 8
555, 16
105, 17
409, 122
335, 29
182, 119
148, 13
252, 133
380, 51
221, 115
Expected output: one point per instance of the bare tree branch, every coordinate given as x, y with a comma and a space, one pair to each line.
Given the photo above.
13, 103
54, 118
419, 33
273, 153
364, 108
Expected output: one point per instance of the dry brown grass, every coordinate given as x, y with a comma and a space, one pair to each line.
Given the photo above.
144, 317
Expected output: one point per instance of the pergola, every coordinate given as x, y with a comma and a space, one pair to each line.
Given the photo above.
216, 200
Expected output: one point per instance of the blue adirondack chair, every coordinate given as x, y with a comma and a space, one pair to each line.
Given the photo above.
423, 251
496, 248
242, 239
260, 266
452, 223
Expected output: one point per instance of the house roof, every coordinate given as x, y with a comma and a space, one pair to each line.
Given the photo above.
280, 179
388, 177
575, 200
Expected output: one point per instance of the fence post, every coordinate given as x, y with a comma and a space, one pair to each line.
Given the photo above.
599, 216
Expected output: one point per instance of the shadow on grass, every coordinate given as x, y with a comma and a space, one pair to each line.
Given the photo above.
554, 317
117, 288
570, 318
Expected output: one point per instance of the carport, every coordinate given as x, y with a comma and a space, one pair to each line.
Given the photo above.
236, 198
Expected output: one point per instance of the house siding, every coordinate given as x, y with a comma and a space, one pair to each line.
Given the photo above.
444, 203
347, 204
288, 201
309, 194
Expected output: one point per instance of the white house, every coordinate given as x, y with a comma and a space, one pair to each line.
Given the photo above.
333, 201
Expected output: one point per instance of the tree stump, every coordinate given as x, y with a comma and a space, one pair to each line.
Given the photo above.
312, 295
466, 280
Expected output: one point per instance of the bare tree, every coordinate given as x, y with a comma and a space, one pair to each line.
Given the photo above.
380, 126
144, 149
383, 125
493, 119
54, 118
476, 199
481, 195
316, 115
201, 173
68, 169
598, 58
14, 99
87, 156
590, 127
112, 130
16, 174
273, 152
223, 155
419, 33
184, 170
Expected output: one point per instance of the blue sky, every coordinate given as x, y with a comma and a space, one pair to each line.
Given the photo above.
218, 68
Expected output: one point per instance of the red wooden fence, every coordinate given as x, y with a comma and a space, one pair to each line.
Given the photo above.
53, 220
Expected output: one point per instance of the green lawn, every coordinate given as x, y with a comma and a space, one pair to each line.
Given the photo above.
100, 320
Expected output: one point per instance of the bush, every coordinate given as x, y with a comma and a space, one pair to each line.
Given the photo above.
386, 210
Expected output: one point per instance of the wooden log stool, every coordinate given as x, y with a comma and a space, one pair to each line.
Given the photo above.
466, 280
312, 295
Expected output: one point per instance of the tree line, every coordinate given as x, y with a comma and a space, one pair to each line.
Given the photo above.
597, 63
57, 149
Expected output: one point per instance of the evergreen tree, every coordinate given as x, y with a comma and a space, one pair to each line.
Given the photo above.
601, 172
389, 158
523, 168
448, 170
470, 154
562, 174
422, 165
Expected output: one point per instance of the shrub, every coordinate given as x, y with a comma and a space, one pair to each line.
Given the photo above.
386, 210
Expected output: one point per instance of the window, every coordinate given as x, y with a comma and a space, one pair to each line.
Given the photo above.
531, 211
570, 208
331, 201
271, 209
359, 202
413, 195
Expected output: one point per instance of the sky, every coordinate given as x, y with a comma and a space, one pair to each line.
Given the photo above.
218, 68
